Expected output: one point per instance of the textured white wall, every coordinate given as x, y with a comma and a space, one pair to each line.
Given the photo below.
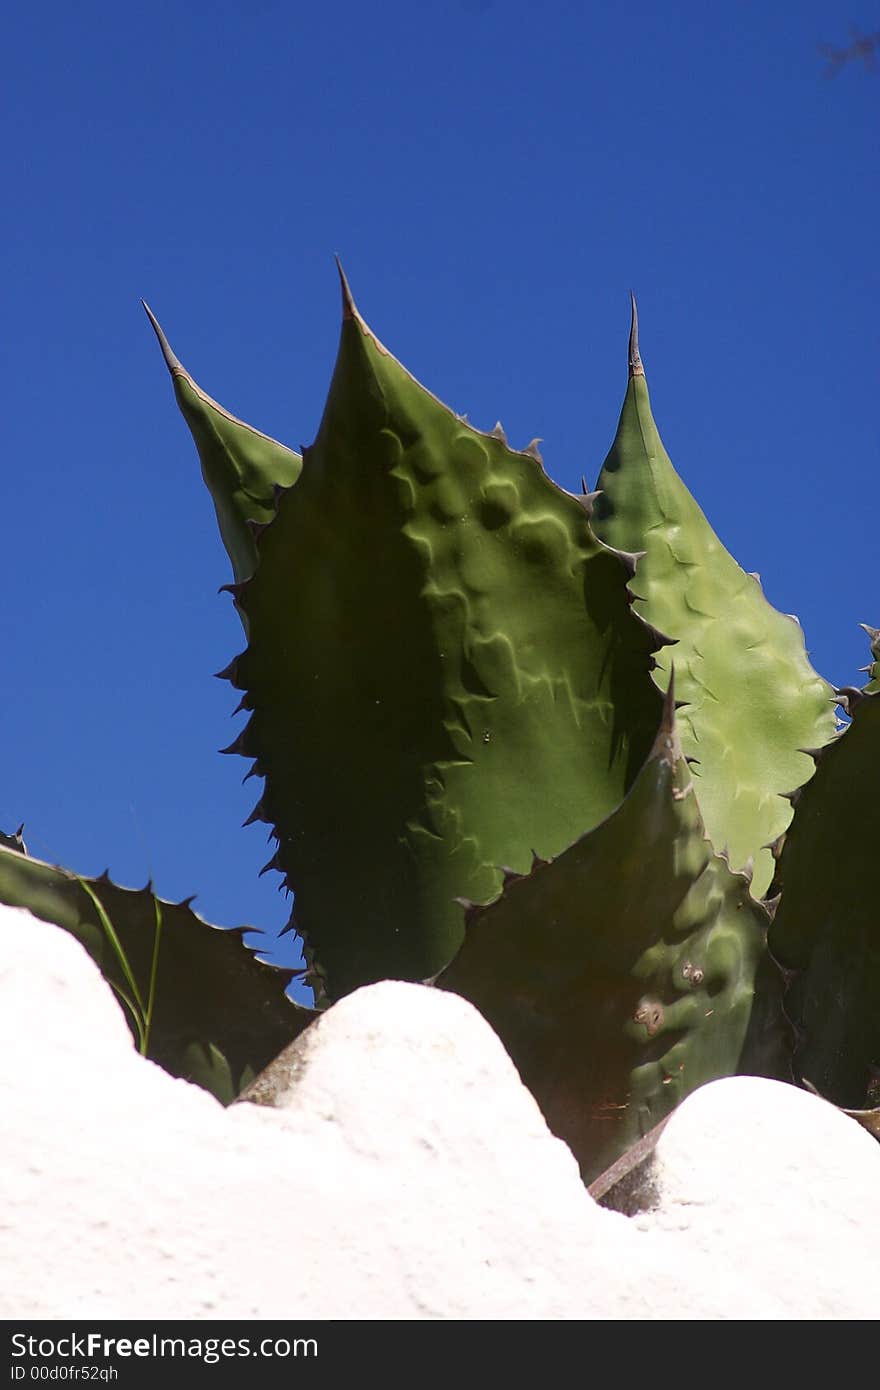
409, 1175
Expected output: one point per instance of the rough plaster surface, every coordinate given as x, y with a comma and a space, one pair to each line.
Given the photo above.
784, 1184
408, 1174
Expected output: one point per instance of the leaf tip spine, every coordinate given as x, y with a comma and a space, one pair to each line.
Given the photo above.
635, 362
349, 309
172, 362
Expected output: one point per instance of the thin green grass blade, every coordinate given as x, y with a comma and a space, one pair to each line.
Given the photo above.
154, 971
216, 1014
112, 937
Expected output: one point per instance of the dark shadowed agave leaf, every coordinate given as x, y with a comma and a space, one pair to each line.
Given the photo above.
219, 1014
241, 467
873, 670
443, 667
826, 932
621, 975
752, 701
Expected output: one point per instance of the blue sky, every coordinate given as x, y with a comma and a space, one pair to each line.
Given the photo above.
495, 177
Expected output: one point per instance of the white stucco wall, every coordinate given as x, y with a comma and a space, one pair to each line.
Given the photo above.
409, 1175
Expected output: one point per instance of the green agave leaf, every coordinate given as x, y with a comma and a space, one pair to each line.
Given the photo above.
444, 670
219, 1013
753, 702
620, 975
241, 467
826, 932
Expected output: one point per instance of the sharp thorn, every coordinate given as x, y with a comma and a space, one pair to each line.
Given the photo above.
258, 813
635, 361
240, 743
349, 309
848, 696
272, 864
172, 362
588, 500
228, 672
630, 559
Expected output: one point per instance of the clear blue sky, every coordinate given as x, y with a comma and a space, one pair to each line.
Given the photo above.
495, 177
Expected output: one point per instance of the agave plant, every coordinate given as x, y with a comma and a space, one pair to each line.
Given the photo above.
462, 686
